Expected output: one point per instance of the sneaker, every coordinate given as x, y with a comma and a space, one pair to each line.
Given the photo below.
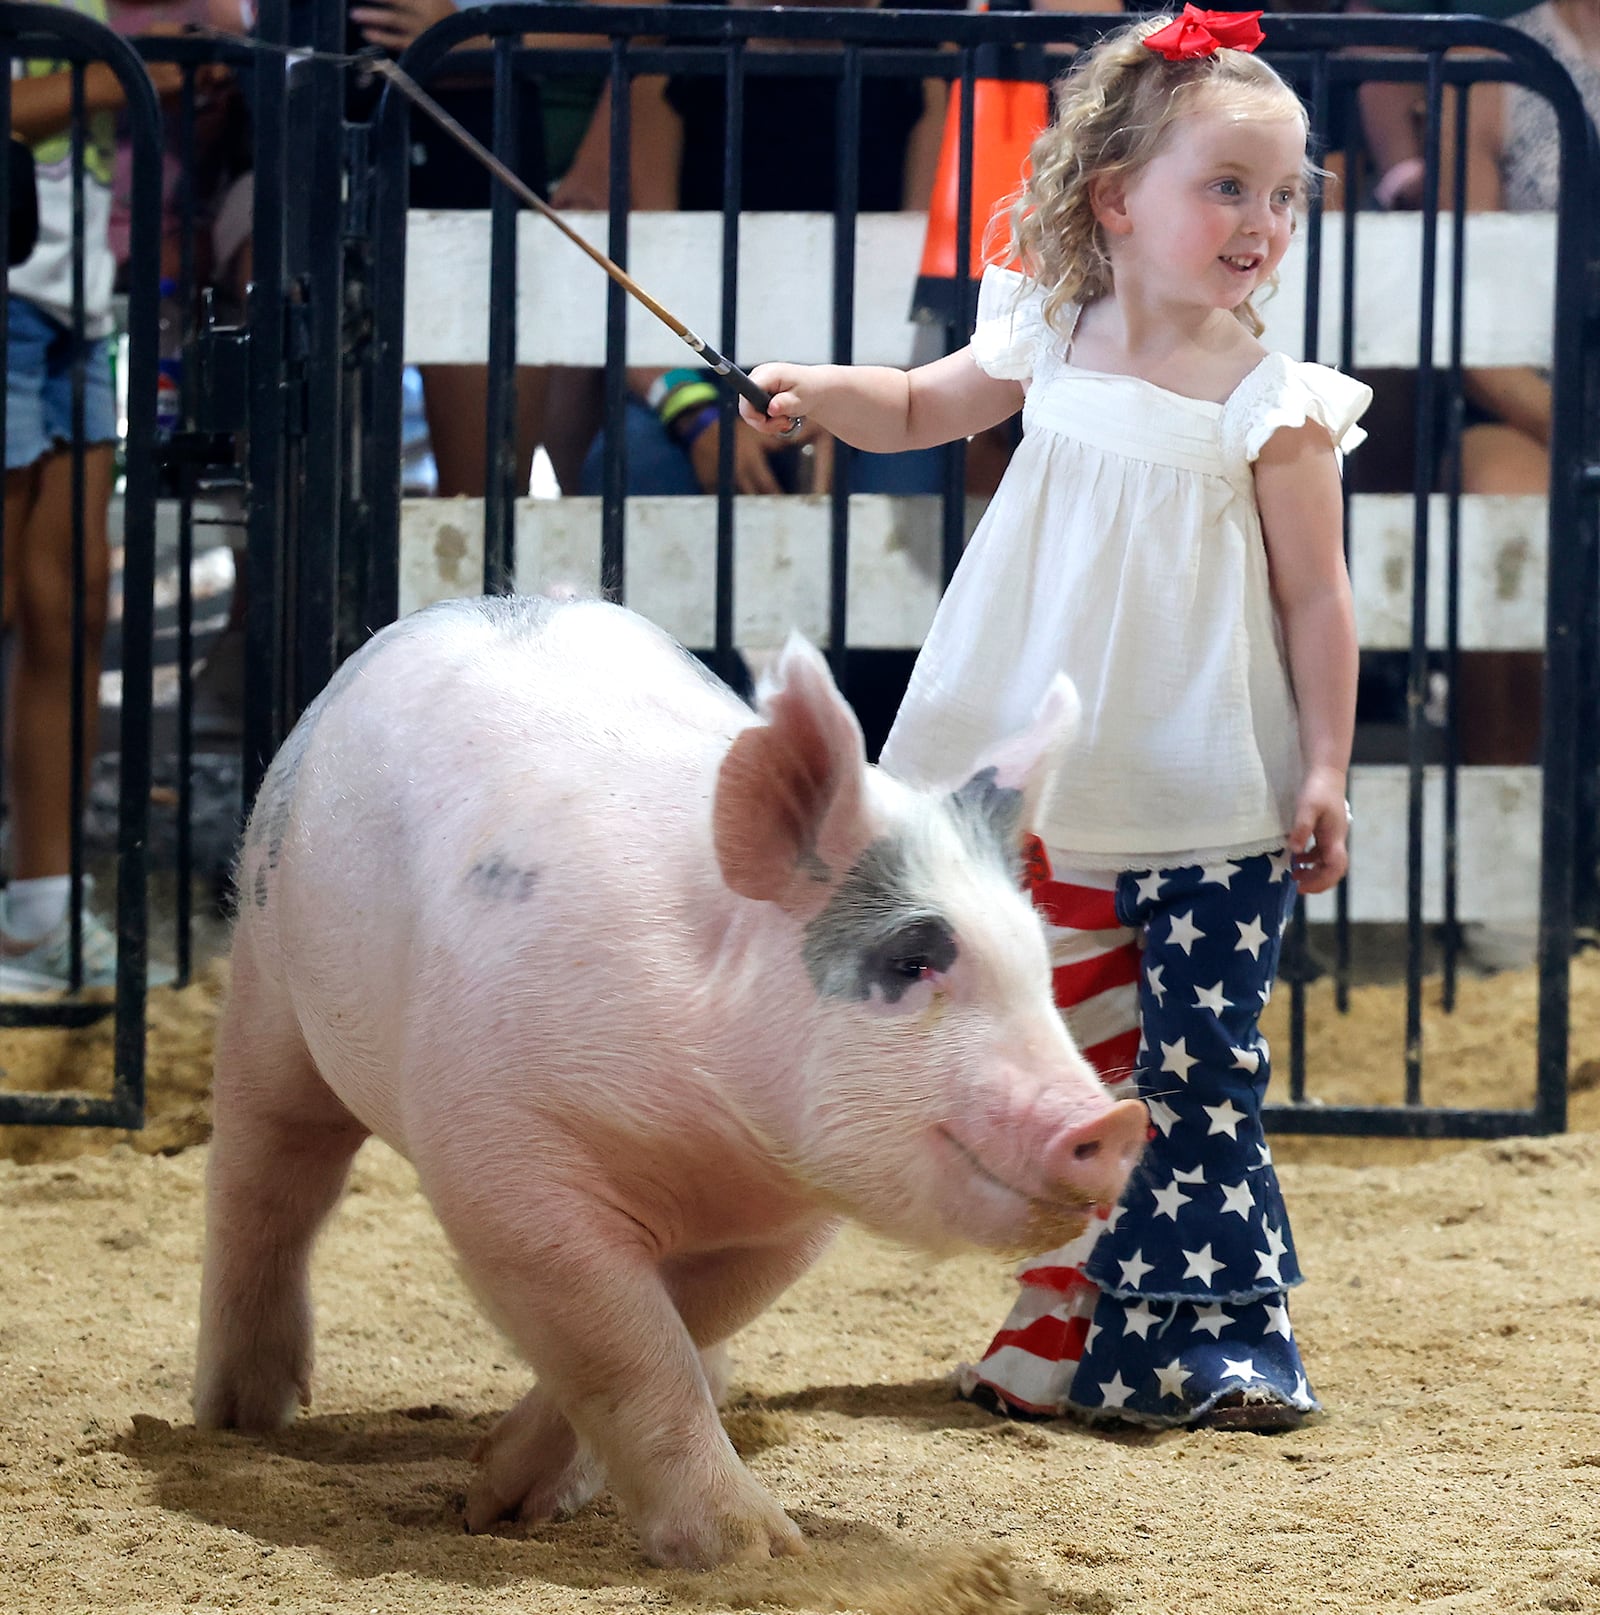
46, 967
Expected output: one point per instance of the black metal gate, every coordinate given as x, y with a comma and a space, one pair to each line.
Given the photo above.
51, 34
319, 363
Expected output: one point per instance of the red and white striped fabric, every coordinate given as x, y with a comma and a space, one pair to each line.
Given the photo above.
1096, 962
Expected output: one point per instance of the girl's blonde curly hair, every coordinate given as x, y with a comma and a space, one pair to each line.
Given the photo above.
1114, 107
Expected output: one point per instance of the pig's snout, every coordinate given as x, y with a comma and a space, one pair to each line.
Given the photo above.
1094, 1159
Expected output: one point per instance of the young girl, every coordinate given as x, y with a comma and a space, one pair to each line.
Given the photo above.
1168, 534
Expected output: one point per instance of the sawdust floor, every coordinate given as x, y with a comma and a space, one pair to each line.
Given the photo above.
1451, 1323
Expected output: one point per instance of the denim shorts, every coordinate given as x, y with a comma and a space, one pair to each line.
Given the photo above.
39, 387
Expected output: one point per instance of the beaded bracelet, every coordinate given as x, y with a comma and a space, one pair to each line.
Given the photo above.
696, 424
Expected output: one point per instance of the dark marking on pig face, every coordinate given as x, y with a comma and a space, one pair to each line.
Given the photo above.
876, 936
495, 880
989, 819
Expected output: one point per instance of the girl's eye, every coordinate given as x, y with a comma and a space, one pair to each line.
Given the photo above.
1228, 187
1284, 199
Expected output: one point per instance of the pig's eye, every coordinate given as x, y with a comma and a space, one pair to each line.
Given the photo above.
912, 952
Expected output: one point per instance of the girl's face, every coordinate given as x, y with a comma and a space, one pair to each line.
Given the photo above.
1211, 215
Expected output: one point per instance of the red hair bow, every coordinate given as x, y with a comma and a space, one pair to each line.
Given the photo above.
1203, 33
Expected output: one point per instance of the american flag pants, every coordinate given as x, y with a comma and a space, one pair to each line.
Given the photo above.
1176, 1299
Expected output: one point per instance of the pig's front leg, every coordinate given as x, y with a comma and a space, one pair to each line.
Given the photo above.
532, 1466
575, 1285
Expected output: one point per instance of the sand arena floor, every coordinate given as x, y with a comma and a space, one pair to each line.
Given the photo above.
1451, 1323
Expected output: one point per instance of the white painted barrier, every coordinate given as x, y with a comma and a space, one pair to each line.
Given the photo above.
782, 546
786, 288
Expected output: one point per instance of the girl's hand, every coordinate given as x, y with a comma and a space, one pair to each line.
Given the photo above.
792, 389
1321, 829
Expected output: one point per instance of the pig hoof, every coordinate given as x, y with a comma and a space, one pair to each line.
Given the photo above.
248, 1402
704, 1543
551, 1497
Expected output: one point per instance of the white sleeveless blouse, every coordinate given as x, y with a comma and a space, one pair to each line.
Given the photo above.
1124, 548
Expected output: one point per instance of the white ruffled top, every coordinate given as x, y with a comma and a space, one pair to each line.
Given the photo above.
1124, 548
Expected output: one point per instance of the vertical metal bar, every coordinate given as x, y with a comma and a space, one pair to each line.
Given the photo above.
5, 347
314, 539
1310, 343
358, 537
613, 509
500, 427
953, 528
846, 204
142, 120
391, 148
1353, 200
183, 918
1452, 599
1417, 679
732, 201
79, 734
1571, 546
264, 563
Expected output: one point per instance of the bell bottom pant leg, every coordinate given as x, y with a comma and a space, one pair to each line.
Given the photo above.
1196, 1261
1095, 969
1114, 953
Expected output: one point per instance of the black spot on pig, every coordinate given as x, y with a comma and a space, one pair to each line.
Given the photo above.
876, 935
495, 880
989, 817
269, 818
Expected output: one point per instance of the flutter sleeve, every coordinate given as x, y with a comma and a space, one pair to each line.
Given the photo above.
1288, 394
1010, 324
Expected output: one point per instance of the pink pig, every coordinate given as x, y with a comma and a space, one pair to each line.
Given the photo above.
652, 989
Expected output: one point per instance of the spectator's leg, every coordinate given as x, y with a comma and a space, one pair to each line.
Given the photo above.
1500, 693
455, 398
656, 464
39, 735
574, 413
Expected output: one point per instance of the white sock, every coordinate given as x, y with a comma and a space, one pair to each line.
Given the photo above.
34, 908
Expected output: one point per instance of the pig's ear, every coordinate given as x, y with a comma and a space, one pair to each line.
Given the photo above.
1013, 778
787, 818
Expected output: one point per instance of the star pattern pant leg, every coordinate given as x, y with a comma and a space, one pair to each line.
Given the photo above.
1195, 1260
1095, 961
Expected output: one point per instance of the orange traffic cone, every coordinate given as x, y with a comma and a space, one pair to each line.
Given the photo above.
1007, 114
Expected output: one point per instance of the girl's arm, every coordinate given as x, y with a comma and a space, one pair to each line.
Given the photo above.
885, 411
1301, 501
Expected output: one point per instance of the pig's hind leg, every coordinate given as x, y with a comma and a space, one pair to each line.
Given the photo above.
280, 1152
